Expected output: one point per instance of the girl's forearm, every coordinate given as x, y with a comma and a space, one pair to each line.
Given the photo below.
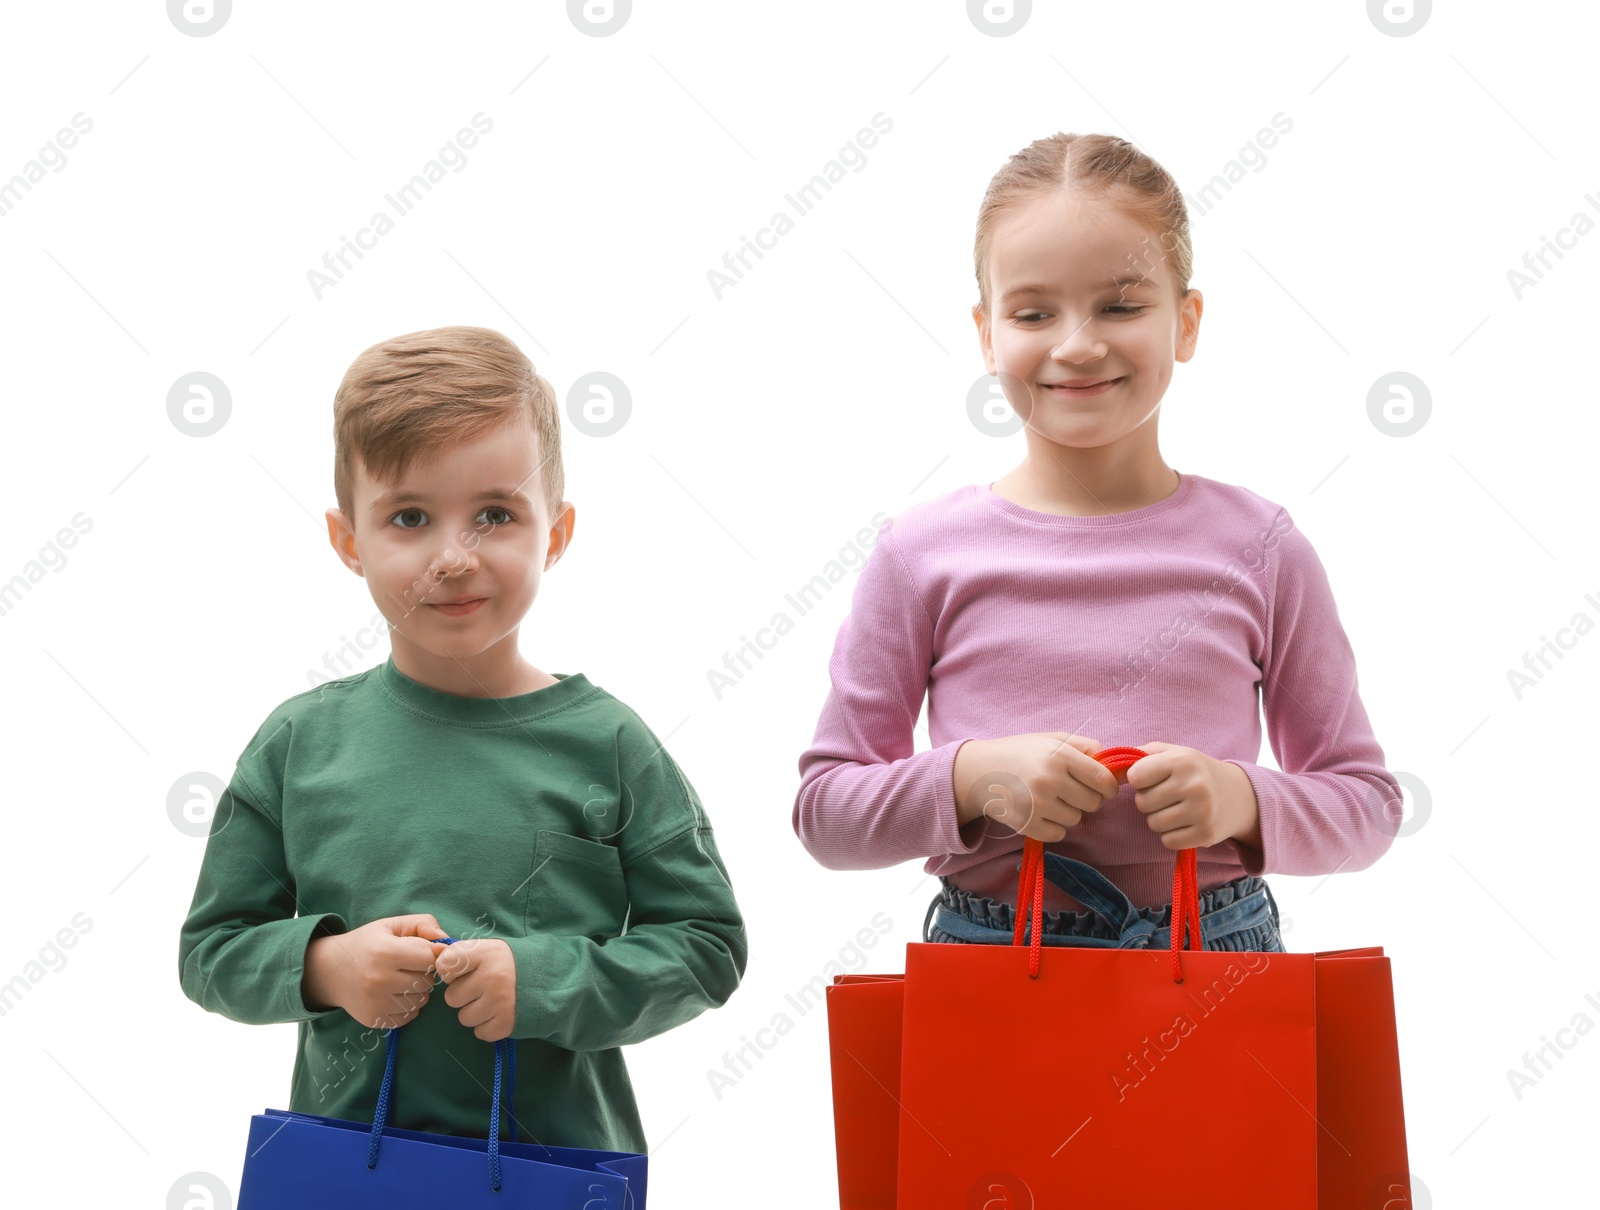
1246, 808
968, 766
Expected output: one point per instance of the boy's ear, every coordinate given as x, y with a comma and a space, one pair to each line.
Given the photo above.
561, 533
343, 540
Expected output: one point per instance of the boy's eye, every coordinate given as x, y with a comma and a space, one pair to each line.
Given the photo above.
493, 508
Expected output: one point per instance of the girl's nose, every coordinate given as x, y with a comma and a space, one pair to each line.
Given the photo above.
1081, 344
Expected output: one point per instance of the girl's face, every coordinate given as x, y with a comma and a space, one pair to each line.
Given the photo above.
1083, 296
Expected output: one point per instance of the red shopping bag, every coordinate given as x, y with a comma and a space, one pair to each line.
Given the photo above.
1137, 1086
864, 1014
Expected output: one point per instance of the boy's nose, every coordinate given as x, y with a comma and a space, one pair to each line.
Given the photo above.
452, 561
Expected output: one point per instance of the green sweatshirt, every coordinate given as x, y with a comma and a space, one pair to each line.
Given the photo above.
553, 820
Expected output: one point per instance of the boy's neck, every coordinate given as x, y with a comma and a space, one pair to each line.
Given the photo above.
488, 675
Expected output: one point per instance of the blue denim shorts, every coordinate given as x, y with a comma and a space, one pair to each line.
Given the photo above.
1239, 916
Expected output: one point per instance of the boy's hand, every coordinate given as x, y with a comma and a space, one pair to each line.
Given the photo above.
482, 974
1038, 784
381, 973
1192, 800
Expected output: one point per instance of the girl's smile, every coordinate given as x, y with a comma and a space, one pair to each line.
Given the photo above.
1088, 387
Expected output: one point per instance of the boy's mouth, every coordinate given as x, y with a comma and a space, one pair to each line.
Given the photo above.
456, 609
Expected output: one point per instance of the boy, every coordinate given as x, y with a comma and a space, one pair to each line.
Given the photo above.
457, 790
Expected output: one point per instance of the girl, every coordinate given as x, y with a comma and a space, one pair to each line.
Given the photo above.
1093, 590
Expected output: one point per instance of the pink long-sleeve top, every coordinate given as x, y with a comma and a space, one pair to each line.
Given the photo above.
1181, 622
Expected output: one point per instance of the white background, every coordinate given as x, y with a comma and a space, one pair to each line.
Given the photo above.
767, 428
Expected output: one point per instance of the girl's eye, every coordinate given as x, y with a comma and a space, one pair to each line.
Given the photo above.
1117, 308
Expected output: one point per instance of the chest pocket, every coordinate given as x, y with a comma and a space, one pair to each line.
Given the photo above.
576, 888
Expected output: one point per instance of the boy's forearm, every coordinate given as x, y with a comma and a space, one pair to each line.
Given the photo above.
253, 974
685, 951
242, 949
315, 983
580, 995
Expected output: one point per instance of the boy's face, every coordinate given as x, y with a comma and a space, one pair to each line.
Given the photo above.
1081, 292
471, 524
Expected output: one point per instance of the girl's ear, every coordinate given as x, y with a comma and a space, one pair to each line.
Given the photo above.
985, 344
1189, 324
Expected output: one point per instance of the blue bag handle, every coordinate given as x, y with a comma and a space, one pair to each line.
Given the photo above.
504, 1050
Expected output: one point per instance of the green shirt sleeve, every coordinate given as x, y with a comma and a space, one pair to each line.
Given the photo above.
242, 949
683, 948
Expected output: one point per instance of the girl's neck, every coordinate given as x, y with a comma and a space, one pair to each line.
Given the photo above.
1086, 490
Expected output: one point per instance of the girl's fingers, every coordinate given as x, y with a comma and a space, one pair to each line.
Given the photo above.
1082, 743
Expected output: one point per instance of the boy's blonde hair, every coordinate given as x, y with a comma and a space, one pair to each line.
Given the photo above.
404, 398
1096, 164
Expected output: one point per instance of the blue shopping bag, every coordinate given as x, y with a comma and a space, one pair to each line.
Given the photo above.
300, 1161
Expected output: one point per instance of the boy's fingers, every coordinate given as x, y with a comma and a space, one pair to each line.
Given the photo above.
410, 998
456, 961
418, 955
420, 924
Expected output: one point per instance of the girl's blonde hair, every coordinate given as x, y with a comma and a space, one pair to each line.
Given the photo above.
1096, 164
404, 398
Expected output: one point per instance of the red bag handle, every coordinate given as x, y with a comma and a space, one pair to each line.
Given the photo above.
1030, 884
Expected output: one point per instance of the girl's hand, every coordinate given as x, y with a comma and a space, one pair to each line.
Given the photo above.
482, 974
1039, 784
1192, 800
381, 973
